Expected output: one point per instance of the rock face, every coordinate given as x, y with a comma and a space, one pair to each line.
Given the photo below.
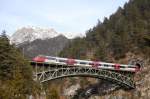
29, 34
33, 41
71, 91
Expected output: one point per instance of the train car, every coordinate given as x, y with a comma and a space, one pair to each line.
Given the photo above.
117, 67
92, 64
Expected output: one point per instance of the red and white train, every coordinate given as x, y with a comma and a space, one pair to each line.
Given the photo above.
93, 64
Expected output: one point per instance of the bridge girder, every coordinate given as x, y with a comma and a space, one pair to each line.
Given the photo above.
122, 80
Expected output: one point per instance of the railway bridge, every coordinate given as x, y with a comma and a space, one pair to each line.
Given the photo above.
44, 72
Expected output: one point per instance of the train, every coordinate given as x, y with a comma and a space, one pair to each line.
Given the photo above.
88, 63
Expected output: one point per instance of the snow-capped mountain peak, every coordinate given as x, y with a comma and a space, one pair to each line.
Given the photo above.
29, 34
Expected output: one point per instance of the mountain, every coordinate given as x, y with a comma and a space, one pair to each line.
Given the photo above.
51, 46
29, 34
33, 41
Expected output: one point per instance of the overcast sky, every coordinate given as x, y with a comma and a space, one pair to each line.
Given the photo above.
71, 16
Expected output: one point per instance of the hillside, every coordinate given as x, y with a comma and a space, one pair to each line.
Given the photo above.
49, 47
127, 30
120, 38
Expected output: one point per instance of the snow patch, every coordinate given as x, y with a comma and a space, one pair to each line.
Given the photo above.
29, 34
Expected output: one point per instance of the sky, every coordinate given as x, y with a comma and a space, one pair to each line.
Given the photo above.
65, 16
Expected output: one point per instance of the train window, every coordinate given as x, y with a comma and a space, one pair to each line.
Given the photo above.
122, 67
62, 60
91, 63
106, 65
82, 62
51, 58
94, 64
112, 65
130, 66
